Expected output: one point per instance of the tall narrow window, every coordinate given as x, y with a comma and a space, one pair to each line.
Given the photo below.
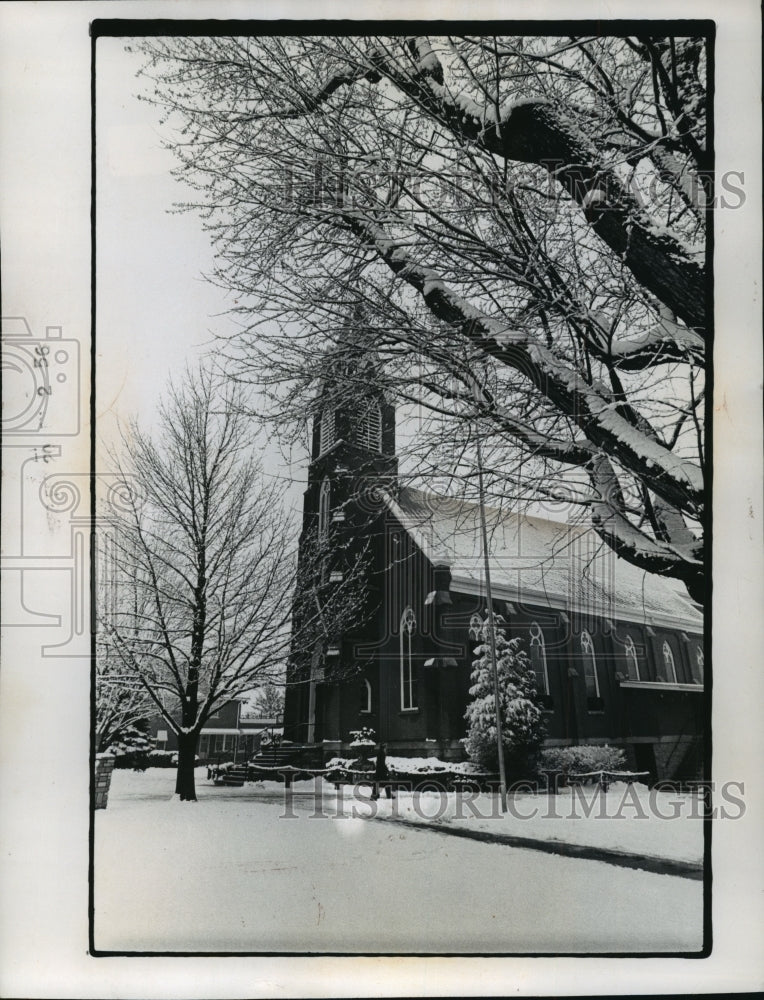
369, 430
408, 680
365, 696
590, 670
698, 673
632, 659
326, 431
538, 659
669, 669
324, 502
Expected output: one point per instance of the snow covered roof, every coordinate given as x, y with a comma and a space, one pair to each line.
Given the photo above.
538, 560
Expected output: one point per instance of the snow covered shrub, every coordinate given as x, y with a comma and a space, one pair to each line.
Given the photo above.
521, 716
582, 759
131, 752
163, 758
131, 760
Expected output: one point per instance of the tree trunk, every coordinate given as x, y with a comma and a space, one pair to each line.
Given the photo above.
184, 782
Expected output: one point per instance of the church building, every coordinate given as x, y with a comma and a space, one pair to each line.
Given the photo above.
617, 652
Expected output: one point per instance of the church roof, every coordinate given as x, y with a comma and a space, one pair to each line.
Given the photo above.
538, 560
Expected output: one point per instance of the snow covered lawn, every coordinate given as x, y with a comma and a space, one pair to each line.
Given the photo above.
231, 873
626, 819
629, 818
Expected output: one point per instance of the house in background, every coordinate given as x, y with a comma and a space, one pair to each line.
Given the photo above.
618, 653
226, 736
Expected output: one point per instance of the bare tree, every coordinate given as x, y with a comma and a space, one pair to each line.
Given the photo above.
205, 554
521, 219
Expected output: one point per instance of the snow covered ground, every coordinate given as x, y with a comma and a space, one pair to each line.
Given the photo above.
232, 873
627, 819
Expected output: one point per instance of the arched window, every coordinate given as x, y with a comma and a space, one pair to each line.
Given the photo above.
324, 502
476, 628
669, 669
369, 429
632, 659
590, 666
698, 678
326, 431
408, 680
365, 697
538, 659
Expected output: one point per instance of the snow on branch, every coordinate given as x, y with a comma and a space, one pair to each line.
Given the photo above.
683, 559
534, 131
590, 405
665, 341
539, 444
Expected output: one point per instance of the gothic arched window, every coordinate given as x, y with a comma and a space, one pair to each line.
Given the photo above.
476, 628
632, 659
324, 502
369, 429
590, 666
326, 435
698, 665
408, 680
538, 659
669, 668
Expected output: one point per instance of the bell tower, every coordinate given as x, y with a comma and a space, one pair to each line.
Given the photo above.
352, 457
353, 437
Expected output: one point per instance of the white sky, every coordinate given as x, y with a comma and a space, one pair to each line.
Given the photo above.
150, 294
155, 310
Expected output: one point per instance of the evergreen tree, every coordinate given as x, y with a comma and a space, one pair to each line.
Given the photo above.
521, 718
122, 710
267, 703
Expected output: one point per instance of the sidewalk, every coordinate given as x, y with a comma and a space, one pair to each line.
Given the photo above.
622, 859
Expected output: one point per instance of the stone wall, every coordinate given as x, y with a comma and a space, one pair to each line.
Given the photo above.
104, 765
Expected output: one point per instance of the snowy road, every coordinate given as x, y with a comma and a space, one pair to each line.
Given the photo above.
230, 874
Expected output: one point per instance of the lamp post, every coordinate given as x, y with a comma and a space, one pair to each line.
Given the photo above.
491, 629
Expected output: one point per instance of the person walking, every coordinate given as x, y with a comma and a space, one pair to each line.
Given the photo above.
381, 774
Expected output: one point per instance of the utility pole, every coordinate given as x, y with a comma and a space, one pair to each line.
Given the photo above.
491, 630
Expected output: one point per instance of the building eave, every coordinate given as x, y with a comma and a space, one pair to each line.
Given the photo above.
562, 602
413, 529
662, 686
557, 602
